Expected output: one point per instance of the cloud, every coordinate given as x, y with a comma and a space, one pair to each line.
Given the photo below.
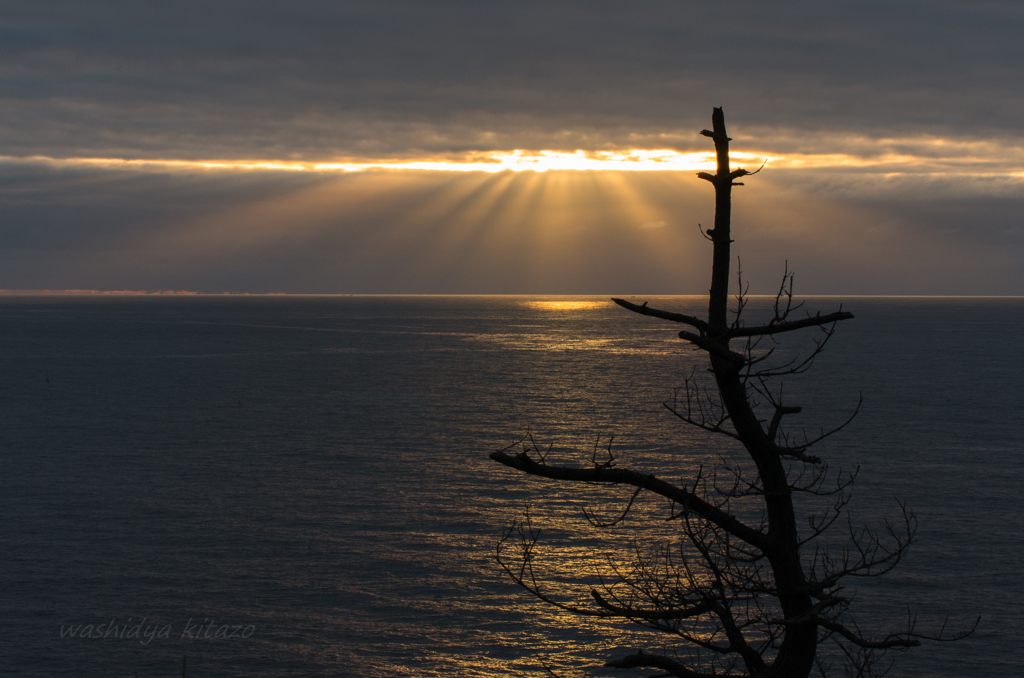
378, 79
897, 133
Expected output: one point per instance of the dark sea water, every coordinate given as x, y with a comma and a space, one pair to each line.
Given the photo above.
310, 474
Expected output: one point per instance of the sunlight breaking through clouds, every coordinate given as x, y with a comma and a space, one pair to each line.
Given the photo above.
919, 156
492, 162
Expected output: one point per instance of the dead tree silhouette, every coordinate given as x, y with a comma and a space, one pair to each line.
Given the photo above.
741, 597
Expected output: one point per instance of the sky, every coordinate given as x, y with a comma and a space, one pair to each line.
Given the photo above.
508, 147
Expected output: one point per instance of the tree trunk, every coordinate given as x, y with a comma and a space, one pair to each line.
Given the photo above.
795, 658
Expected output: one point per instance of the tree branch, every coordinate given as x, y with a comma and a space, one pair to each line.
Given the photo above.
592, 517
617, 476
712, 347
524, 575
896, 640
789, 326
684, 613
644, 309
641, 659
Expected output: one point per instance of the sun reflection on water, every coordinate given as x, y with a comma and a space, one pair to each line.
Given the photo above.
565, 305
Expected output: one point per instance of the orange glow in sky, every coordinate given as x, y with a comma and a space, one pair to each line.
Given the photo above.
492, 162
931, 156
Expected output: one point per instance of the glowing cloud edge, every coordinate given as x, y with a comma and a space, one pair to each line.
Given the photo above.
962, 161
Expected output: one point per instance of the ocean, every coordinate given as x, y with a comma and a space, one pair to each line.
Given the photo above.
300, 486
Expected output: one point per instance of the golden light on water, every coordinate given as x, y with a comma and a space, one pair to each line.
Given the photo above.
565, 305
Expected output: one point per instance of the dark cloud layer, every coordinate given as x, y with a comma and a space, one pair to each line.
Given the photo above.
323, 79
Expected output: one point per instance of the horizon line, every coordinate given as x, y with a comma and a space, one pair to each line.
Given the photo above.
191, 293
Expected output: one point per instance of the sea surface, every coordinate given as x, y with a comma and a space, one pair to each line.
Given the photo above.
300, 486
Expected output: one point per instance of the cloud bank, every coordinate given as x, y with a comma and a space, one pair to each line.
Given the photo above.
318, 80
899, 126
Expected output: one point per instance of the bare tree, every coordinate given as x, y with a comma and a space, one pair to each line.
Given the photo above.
744, 591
